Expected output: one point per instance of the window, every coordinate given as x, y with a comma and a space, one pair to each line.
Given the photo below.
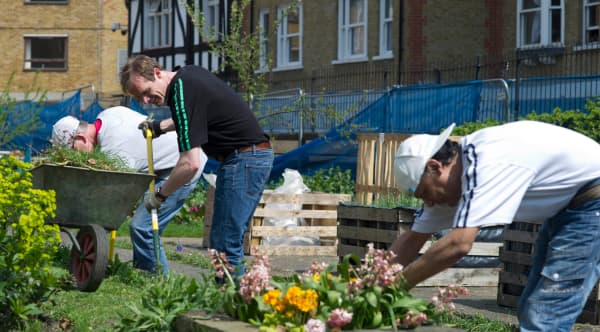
263, 39
591, 28
45, 52
540, 23
210, 9
289, 37
158, 29
352, 32
386, 14
121, 61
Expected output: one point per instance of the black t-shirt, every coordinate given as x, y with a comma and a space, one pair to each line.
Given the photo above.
208, 113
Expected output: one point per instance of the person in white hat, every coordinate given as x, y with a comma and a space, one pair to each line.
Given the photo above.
115, 131
525, 171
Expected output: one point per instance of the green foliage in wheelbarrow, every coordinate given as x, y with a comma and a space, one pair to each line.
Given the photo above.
27, 244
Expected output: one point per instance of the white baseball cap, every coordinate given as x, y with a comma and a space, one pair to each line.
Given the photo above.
412, 155
64, 130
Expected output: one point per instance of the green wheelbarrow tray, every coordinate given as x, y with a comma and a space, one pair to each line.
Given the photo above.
94, 201
85, 196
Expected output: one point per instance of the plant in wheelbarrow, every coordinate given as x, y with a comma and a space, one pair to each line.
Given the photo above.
27, 244
95, 193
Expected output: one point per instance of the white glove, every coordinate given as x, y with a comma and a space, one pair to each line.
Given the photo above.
151, 201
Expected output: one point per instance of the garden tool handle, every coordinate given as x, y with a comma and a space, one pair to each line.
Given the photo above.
152, 189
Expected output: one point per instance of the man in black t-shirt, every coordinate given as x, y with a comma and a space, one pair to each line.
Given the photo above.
206, 113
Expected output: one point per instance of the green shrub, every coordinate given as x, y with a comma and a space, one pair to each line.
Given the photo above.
192, 210
27, 245
332, 180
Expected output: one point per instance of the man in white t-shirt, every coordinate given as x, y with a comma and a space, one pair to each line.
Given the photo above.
524, 171
115, 131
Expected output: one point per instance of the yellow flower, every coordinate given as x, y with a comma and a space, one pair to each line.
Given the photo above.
272, 297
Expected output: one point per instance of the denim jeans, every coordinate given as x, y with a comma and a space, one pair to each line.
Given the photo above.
140, 229
241, 178
565, 267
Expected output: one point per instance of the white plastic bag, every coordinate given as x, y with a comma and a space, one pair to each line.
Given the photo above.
292, 184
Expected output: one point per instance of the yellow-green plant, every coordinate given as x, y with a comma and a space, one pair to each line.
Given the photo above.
27, 243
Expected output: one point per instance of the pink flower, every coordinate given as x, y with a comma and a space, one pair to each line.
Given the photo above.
338, 318
256, 279
445, 296
314, 325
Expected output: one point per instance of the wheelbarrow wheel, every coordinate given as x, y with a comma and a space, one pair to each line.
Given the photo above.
89, 265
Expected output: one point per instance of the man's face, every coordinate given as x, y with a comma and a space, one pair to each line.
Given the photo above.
436, 187
82, 142
146, 91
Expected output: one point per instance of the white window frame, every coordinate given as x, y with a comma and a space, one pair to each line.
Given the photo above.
159, 25
385, 29
28, 62
345, 32
544, 15
263, 39
212, 19
284, 37
587, 27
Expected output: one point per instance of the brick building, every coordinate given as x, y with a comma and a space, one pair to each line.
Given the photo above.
64, 45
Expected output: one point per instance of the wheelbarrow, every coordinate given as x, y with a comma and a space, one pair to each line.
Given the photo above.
94, 202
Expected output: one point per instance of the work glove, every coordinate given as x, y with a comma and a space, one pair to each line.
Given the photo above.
153, 125
151, 201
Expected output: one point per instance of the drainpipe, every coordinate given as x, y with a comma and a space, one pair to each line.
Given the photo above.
99, 47
400, 46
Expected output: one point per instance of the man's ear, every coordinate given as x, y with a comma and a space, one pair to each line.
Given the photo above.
433, 166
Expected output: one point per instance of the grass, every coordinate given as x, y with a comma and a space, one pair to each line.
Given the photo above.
193, 230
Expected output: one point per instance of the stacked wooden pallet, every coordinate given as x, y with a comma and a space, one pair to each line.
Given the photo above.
516, 254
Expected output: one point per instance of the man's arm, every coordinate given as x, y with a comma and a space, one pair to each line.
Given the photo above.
441, 255
185, 169
407, 246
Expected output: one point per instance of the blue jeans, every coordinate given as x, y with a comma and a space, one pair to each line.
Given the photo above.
241, 178
140, 229
565, 267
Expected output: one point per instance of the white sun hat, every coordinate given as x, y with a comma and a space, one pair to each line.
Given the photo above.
64, 130
412, 155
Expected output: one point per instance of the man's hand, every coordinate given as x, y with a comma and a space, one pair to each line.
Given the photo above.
153, 125
151, 201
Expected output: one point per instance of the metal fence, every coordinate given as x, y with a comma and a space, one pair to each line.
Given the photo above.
514, 85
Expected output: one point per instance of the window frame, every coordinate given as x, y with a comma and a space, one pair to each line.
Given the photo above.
284, 37
587, 4
28, 60
212, 29
162, 17
263, 38
386, 25
344, 32
545, 9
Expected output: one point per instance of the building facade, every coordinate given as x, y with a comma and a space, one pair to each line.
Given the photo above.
63, 46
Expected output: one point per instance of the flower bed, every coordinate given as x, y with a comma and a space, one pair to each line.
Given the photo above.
354, 294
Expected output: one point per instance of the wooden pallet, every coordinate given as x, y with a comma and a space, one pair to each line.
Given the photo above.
515, 255
360, 225
319, 212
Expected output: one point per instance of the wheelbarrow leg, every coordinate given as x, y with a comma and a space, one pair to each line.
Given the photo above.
111, 245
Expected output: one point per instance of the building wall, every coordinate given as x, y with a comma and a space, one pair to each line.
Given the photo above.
91, 54
320, 45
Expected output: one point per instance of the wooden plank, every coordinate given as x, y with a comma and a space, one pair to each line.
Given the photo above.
518, 236
511, 301
366, 234
515, 257
325, 231
277, 213
464, 276
478, 248
366, 213
294, 250
512, 278
306, 198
